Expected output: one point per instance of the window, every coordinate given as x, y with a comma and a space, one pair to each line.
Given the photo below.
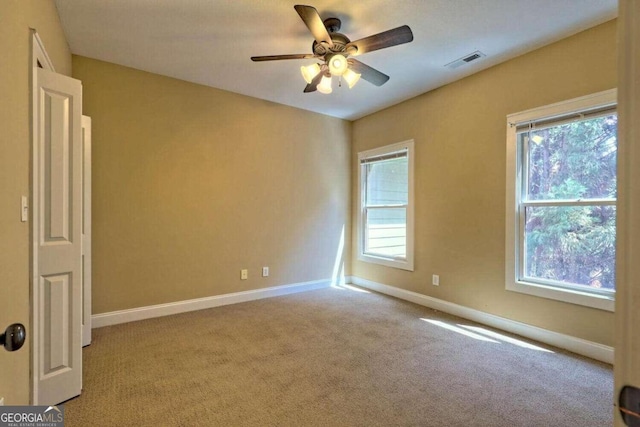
561, 201
386, 205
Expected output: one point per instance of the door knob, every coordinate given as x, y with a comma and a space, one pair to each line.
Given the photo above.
13, 337
628, 404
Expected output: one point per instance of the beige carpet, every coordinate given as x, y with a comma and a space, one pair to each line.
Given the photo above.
331, 357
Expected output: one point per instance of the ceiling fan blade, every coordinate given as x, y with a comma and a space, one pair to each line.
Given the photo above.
382, 40
368, 73
314, 23
313, 86
279, 57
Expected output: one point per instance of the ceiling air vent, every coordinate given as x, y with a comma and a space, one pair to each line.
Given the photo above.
465, 60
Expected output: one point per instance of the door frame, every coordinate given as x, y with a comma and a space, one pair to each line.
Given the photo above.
86, 230
39, 54
627, 316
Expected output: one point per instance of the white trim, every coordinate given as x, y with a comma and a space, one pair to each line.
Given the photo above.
39, 54
86, 230
159, 310
576, 345
513, 179
404, 264
606, 97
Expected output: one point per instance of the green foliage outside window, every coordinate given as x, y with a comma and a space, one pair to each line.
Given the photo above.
570, 232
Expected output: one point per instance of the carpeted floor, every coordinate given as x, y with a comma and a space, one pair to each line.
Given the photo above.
332, 357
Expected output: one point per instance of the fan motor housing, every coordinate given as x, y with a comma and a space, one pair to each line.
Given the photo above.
339, 43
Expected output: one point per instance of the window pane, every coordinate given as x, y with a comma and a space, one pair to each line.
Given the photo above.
387, 182
386, 232
573, 244
573, 161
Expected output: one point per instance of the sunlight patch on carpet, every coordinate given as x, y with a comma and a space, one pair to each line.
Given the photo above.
346, 287
460, 330
505, 338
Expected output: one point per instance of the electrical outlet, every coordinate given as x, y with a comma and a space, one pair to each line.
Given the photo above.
436, 280
244, 274
265, 271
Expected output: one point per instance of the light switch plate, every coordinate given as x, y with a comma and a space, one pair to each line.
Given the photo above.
24, 209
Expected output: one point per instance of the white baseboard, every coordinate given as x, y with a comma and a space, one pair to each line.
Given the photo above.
148, 312
577, 345
590, 349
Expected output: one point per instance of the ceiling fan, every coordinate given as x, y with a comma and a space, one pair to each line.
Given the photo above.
336, 52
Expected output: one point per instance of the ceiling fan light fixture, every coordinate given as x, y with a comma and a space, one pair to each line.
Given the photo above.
338, 65
309, 72
332, 49
351, 77
325, 85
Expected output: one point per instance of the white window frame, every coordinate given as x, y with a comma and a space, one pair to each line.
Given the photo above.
513, 218
401, 263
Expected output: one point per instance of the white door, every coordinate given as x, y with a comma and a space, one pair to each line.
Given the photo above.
86, 230
57, 240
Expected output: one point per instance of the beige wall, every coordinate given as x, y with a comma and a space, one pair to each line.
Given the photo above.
459, 133
192, 184
16, 16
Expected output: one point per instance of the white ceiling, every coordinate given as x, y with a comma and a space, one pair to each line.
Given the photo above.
210, 41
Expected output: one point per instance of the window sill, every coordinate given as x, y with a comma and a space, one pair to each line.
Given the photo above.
600, 302
388, 262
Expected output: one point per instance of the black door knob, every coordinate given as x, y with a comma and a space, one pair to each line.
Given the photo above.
13, 337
